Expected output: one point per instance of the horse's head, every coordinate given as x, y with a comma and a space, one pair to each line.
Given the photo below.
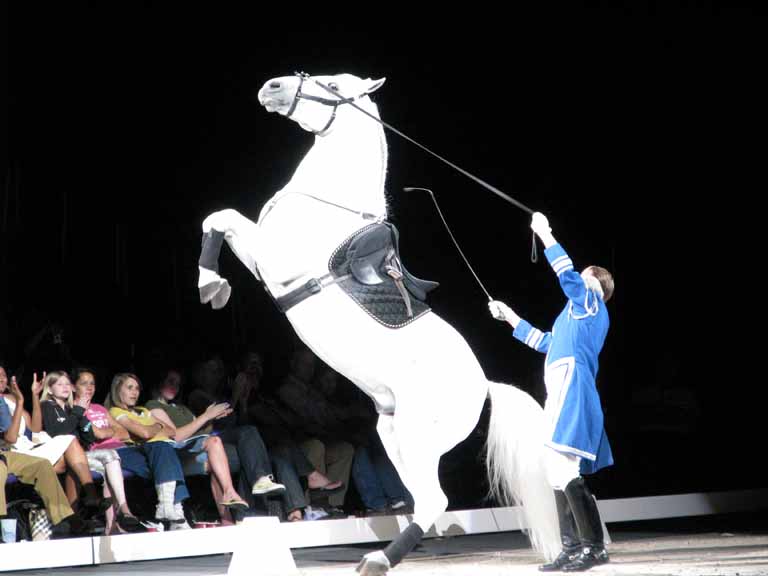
315, 102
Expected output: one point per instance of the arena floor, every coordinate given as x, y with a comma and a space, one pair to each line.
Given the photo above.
731, 545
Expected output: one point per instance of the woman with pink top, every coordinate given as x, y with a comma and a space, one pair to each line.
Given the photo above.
106, 436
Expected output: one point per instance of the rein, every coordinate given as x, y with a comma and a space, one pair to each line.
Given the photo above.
336, 103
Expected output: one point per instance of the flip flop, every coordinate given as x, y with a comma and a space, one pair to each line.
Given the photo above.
325, 491
234, 503
128, 523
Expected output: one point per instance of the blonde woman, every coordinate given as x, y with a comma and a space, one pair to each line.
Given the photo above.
150, 449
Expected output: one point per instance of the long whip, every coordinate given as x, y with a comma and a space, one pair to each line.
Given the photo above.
486, 185
448, 228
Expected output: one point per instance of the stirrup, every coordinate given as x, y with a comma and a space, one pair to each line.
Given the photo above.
394, 271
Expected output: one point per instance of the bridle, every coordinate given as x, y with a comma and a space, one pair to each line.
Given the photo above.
325, 101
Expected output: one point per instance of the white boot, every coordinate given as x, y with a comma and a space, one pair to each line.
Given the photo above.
179, 520
165, 496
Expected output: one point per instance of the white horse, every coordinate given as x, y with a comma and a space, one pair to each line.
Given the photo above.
426, 383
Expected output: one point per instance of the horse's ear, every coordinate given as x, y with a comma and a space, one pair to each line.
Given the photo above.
374, 85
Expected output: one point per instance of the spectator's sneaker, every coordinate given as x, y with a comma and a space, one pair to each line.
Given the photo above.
311, 513
178, 525
335, 512
153, 526
64, 529
401, 507
267, 486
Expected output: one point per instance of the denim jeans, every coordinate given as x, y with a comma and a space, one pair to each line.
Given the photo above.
157, 460
290, 464
253, 460
376, 478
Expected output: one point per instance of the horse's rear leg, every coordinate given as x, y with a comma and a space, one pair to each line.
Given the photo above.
429, 502
417, 461
416, 458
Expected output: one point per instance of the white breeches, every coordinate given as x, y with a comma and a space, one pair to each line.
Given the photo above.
560, 467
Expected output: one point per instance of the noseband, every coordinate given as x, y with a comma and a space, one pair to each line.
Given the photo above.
325, 101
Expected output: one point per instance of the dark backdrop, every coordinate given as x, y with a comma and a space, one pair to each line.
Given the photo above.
127, 124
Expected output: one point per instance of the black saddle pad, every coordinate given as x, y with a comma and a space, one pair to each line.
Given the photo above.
367, 284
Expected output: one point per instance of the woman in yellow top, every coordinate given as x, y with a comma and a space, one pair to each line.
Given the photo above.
150, 449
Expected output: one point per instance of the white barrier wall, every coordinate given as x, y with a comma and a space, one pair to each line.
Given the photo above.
207, 541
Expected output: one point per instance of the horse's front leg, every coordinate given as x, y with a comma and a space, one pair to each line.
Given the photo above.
240, 234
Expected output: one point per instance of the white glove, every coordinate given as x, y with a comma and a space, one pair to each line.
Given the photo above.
540, 225
501, 311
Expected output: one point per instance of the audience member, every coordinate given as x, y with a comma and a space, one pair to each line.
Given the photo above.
151, 438
274, 421
30, 470
318, 426
251, 452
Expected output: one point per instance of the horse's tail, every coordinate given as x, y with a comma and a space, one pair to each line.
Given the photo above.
514, 460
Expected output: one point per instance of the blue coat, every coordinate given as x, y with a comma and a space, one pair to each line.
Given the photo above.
572, 349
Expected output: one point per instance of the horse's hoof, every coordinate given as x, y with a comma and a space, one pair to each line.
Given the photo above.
374, 564
221, 297
213, 288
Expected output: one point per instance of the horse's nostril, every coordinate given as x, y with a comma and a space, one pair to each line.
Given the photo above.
274, 85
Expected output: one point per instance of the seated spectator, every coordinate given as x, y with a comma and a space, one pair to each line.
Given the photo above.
318, 426
193, 436
37, 472
377, 481
63, 452
50, 449
4, 383
288, 460
209, 387
63, 413
150, 448
209, 380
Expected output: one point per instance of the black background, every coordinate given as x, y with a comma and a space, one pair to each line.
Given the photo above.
628, 124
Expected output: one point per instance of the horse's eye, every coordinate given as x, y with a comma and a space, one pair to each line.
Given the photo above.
333, 86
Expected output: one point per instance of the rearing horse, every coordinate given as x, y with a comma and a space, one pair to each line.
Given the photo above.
426, 383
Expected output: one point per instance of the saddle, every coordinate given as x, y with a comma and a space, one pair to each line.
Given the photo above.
367, 266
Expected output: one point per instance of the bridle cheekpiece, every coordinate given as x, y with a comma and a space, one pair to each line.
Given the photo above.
335, 102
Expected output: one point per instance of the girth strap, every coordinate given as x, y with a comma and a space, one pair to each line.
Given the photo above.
310, 288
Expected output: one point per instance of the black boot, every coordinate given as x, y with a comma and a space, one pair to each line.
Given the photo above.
587, 518
568, 535
92, 502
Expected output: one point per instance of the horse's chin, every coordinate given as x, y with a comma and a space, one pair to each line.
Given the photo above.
278, 106
312, 129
